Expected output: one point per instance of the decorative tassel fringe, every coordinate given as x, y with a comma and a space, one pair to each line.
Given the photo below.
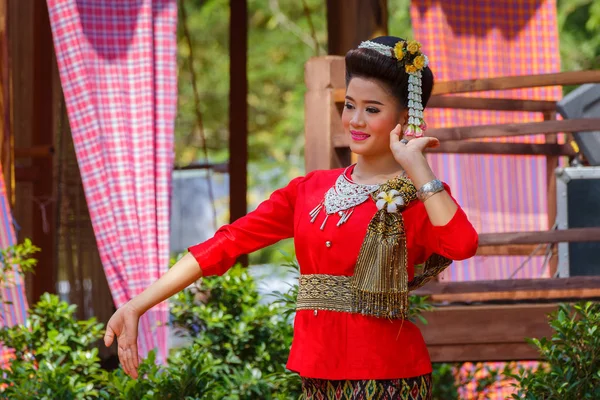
380, 281
379, 286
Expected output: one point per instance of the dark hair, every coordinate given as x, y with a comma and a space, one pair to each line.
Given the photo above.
366, 63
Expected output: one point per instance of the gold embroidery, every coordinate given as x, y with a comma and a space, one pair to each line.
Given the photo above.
433, 266
324, 292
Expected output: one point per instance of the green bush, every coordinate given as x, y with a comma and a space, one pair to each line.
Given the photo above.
53, 355
239, 346
238, 350
571, 370
17, 258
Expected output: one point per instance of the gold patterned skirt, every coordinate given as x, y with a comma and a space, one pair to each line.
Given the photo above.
417, 388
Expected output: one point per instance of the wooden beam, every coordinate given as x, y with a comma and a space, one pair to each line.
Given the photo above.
488, 324
463, 133
524, 129
475, 103
473, 147
510, 290
351, 21
502, 83
518, 295
537, 237
238, 112
483, 352
458, 147
517, 82
482, 103
508, 285
512, 250
34, 152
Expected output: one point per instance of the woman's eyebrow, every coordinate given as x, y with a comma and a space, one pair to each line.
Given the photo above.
366, 101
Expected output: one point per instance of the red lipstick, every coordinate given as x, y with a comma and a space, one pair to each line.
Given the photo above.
359, 136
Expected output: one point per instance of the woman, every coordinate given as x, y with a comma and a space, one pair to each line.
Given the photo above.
358, 232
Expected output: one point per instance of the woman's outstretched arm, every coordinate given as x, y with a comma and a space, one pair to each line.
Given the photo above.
272, 221
124, 322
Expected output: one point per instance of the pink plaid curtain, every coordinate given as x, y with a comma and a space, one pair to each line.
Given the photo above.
117, 63
13, 310
484, 39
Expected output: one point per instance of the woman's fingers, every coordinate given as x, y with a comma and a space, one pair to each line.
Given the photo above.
136, 358
123, 359
395, 134
433, 142
423, 143
131, 362
109, 336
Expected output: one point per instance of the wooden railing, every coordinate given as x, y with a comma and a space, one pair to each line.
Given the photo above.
487, 331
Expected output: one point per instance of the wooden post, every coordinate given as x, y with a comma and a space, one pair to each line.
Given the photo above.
349, 22
321, 117
238, 111
6, 148
551, 165
42, 134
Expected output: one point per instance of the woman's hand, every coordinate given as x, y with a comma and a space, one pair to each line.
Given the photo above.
409, 154
124, 324
406, 152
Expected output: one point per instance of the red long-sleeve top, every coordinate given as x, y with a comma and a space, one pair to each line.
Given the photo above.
331, 344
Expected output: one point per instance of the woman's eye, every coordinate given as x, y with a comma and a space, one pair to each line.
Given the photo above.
372, 110
349, 106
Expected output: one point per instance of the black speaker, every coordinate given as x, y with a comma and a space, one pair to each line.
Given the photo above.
578, 205
584, 102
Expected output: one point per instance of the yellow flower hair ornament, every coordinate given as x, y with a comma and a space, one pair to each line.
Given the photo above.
409, 56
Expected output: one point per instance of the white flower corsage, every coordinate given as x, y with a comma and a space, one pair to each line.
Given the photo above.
391, 199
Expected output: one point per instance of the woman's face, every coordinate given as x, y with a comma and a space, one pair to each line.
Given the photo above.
369, 115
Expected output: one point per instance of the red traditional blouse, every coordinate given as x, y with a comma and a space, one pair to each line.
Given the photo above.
331, 344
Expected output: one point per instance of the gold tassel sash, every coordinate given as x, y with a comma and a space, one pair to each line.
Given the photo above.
380, 282
379, 286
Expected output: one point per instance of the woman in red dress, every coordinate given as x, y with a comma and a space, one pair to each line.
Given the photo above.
359, 232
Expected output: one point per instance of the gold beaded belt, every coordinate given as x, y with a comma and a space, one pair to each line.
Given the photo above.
325, 292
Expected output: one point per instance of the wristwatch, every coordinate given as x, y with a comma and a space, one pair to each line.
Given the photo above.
429, 189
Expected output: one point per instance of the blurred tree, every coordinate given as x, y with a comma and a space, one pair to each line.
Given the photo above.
283, 35
579, 33
399, 14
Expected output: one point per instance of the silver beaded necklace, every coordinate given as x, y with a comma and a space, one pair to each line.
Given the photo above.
342, 198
